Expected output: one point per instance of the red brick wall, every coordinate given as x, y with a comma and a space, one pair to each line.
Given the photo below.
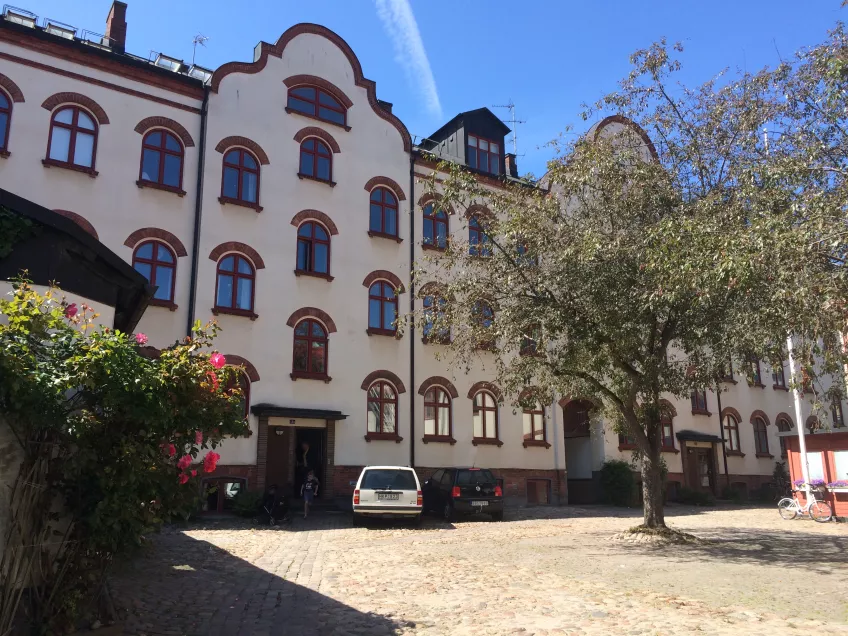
825, 443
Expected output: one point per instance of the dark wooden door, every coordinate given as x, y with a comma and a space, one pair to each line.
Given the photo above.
278, 462
700, 471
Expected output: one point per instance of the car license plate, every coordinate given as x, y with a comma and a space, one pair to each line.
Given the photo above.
388, 496
479, 503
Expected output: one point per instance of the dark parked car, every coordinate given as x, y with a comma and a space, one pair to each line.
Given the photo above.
455, 491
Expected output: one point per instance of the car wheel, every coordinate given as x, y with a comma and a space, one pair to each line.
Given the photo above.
497, 516
357, 521
448, 513
416, 520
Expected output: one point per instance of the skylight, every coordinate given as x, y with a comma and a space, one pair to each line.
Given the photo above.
170, 63
59, 28
20, 16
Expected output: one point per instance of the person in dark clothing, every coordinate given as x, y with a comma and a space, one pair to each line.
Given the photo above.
273, 506
309, 490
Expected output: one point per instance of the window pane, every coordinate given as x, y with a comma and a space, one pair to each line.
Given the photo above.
154, 139
163, 254
60, 142
300, 355
318, 352
320, 233
317, 330
4, 103
303, 256
173, 167
323, 168
322, 258
84, 150
389, 315
389, 418
428, 232
374, 314
231, 176
814, 463
388, 391
528, 425
4, 120
495, 165
171, 143
472, 140
301, 106
444, 421
306, 163
304, 91
429, 396
84, 121
331, 115
390, 198
429, 420
244, 298
442, 234
164, 276
483, 144
327, 99
227, 264
244, 267
248, 186
391, 222
232, 157
65, 116
484, 162
225, 291
150, 165
373, 417
302, 328
305, 230
840, 465
248, 161
375, 222
493, 148
478, 425
145, 250
143, 269
472, 158
309, 144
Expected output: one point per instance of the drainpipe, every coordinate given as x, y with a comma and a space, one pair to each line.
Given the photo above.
198, 211
721, 432
412, 391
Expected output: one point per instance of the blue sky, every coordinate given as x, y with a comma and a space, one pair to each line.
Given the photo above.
547, 56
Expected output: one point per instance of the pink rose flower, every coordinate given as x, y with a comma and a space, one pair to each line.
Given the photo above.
141, 339
169, 449
210, 462
194, 473
183, 478
217, 360
198, 437
71, 310
184, 462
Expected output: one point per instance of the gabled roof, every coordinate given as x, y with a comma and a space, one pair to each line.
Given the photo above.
451, 125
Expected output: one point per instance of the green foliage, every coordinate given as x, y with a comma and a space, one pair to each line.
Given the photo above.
247, 502
692, 497
108, 437
13, 229
731, 493
617, 483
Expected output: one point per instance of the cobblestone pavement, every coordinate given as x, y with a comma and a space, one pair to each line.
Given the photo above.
542, 572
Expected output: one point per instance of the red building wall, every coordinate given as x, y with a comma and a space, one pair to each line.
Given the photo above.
826, 443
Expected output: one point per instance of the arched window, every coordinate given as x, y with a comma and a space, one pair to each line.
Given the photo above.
699, 402
317, 103
434, 309
534, 423
157, 263
240, 180
73, 138
479, 243
761, 444
575, 419
316, 160
435, 227
667, 431
240, 381
5, 121
313, 249
382, 408
485, 416
437, 413
382, 308
783, 426
383, 220
162, 159
484, 318
731, 433
310, 349
236, 281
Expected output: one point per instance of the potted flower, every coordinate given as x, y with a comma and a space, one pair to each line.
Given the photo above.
840, 485
798, 484
817, 484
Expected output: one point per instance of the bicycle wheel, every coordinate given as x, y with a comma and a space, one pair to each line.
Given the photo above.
821, 512
787, 508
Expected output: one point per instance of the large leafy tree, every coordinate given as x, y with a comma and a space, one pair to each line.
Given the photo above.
637, 267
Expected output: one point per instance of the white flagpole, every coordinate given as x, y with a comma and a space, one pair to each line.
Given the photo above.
798, 394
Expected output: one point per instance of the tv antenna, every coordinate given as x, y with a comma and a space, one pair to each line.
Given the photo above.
198, 39
513, 121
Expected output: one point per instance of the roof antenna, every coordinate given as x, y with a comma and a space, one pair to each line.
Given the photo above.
512, 120
198, 39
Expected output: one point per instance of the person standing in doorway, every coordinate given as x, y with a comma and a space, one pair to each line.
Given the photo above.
304, 461
309, 490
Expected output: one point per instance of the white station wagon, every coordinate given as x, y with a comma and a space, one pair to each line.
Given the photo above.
387, 491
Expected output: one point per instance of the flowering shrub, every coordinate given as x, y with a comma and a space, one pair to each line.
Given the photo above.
817, 483
798, 482
107, 436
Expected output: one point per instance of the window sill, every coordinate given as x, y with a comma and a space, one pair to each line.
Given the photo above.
292, 111
300, 175
758, 385
141, 183
240, 203
158, 302
391, 237
765, 455
244, 313
486, 441
778, 387
438, 439
303, 375
669, 449
5, 154
373, 331
432, 248
701, 412
52, 163
301, 272
734, 453
383, 437
540, 443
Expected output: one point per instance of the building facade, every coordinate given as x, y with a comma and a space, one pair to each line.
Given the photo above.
281, 198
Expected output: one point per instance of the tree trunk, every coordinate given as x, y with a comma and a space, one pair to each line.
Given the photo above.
653, 490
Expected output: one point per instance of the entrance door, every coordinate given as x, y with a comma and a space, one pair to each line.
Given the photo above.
278, 465
309, 455
700, 473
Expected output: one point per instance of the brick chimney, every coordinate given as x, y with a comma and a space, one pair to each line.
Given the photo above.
116, 26
511, 165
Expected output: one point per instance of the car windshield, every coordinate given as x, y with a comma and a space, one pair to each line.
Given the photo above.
388, 479
468, 477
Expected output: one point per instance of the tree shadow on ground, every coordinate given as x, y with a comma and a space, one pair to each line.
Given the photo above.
181, 585
598, 510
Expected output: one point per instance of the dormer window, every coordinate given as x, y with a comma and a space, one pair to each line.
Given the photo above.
484, 155
318, 103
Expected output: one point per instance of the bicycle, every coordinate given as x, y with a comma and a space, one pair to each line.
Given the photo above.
790, 507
